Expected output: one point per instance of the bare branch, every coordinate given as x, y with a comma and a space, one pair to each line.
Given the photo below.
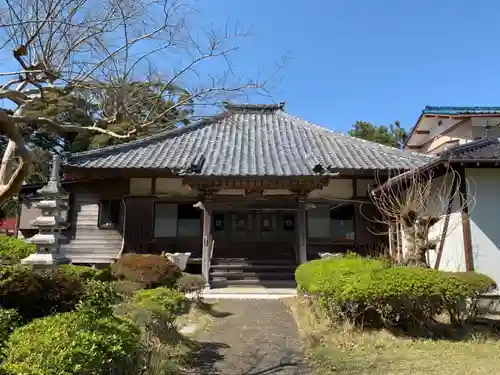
128, 65
415, 204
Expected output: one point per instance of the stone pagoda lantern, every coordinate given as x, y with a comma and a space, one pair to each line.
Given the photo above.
50, 223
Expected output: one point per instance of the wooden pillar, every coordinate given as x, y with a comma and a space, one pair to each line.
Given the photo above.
467, 238
391, 237
302, 232
206, 244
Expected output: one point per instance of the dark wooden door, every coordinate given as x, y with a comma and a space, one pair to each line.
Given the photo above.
254, 234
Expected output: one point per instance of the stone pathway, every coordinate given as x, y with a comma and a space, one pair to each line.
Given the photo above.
252, 337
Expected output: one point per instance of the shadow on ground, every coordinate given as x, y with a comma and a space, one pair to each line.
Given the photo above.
209, 309
481, 327
207, 357
210, 355
288, 361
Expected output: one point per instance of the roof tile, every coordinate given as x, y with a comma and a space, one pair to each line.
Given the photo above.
250, 140
483, 149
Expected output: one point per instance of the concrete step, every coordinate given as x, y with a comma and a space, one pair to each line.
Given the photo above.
253, 283
253, 267
235, 275
253, 262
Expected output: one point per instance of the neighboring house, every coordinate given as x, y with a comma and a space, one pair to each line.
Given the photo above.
440, 128
268, 190
469, 236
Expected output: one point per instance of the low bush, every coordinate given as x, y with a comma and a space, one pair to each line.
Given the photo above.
37, 293
73, 343
316, 275
99, 298
126, 288
369, 292
86, 273
164, 303
189, 283
9, 320
164, 350
13, 250
151, 270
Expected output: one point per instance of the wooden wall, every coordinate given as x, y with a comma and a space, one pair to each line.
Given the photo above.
139, 229
87, 243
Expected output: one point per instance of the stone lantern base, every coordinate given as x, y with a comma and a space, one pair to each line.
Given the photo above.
46, 259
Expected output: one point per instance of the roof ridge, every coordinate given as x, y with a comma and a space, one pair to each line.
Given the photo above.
254, 107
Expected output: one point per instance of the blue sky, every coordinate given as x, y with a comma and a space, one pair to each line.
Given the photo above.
377, 61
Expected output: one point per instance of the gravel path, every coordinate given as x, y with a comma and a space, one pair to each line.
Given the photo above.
255, 337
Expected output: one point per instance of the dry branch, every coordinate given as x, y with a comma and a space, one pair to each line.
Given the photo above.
136, 64
415, 204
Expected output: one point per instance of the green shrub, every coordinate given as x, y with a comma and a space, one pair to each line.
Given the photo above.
99, 298
37, 293
12, 250
368, 292
314, 276
164, 303
9, 320
126, 288
189, 283
72, 343
86, 273
151, 270
477, 282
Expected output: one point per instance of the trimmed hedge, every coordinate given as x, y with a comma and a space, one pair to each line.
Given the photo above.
13, 250
151, 270
9, 320
72, 343
316, 275
86, 273
99, 298
369, 291
37, 293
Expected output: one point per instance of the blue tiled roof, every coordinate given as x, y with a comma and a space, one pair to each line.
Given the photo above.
460, 110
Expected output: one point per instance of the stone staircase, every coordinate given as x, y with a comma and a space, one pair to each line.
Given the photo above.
226, 272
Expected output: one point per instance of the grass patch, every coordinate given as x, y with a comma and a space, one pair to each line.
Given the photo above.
167, 349
345, 350
200, 316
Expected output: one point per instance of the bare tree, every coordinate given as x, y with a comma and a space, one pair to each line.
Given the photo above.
416, 202
116, 48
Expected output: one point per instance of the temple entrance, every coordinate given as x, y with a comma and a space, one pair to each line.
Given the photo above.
255, 234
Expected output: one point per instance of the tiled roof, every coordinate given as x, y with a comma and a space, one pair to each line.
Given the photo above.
486, 150
250, 140
453, 111
480, 150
